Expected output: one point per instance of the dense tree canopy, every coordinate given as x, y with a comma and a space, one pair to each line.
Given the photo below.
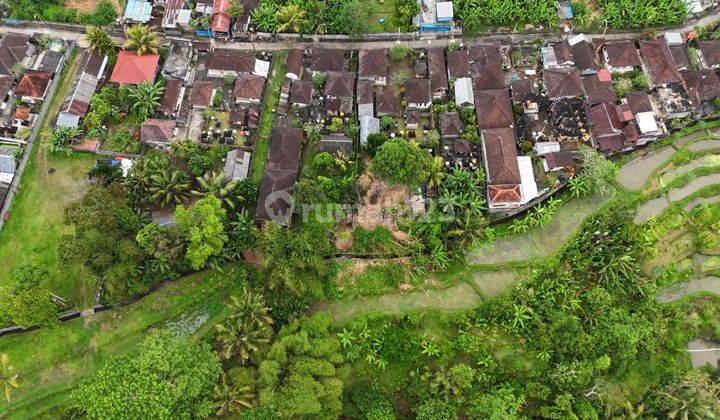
400, 161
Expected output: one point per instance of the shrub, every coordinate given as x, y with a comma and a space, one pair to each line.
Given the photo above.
399, 161
400, 52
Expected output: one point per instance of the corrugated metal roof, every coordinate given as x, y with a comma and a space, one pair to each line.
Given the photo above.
138, 11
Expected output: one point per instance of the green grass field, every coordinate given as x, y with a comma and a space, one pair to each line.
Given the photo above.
51, 361
49, 182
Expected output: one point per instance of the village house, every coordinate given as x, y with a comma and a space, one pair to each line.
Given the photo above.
659, 62
281, 172
301, 93
201, 94
248, 89
222, 63
15, 53
336, 142
373, 66
493, 109
583, 54
137, 11
640, 108
450, 125
33, 85
237, 165
176, 16
133, 69
464, 94
458, 64
621, 57
563, 83
178, 61
606, 128
598, 88
702, 88
157, 133
365, 98
437, 72
557, 161
709, 54
86, 82
325, 60
8, 165
502, 170
221, 18
339, 90
368, 125
48, 60
294, 65
486, 69
384, 103
172, 97
417, 94
680, 57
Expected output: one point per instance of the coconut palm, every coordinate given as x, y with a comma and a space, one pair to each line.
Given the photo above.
99, 41
214, 183
60, 139
435, 172
141, 39
229, 399
8, 376
247, 328
139, 179
169, 187
145, 98
291, 18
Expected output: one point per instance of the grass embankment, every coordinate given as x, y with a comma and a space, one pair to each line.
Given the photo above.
48, 183
51, 361
267, 120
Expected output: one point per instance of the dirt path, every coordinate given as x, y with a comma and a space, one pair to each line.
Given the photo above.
705, 284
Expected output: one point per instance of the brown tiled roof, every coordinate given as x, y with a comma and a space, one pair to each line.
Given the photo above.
584, 56
659, 61
13, 48
612, 142
485, 67
301, 92
462, 146
458, 64
281, 170
294, 62
365, 92
710, 51
680, 57
604, 122
622, 54
22, 113
563, 53
240, 62
171, 95
562, 82
560, 159
630, 132
701, 85
34, 83
340, 84
6, 84
596, 91
373, 63
417, 91
503, 172
323, 60
639, 102
339, 105
245, 117
450, 125
412, 117
202, 93
437, 68
521, 90
157, 131
493, 108
385, 102
93, 62
249, 86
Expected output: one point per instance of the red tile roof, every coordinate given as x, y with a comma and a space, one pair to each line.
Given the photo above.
34, 83
134, 69
659, 61
221, 22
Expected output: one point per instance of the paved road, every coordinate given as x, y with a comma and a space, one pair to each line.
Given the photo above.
35, 132
420, 42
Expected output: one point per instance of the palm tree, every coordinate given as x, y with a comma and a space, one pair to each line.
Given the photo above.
169, 187
214, 183
139, 181
146, 98
291, 18
8, 376
230, 399
246, 329
99, 40
436, 172
60, 139
141, 39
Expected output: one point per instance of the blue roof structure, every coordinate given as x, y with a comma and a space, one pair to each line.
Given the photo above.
138, 11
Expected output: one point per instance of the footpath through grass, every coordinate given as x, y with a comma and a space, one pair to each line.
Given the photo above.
267, 120
48, 183
51, 361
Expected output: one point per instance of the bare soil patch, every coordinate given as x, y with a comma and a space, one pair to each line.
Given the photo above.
89, 6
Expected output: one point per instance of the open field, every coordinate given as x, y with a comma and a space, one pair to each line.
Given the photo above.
63, 355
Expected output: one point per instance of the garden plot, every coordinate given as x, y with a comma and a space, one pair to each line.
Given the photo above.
636, 173
709, 284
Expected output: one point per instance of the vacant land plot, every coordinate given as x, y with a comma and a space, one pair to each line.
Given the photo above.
89, 6
65, 354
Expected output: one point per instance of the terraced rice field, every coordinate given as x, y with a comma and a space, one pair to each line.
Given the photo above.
709, 284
